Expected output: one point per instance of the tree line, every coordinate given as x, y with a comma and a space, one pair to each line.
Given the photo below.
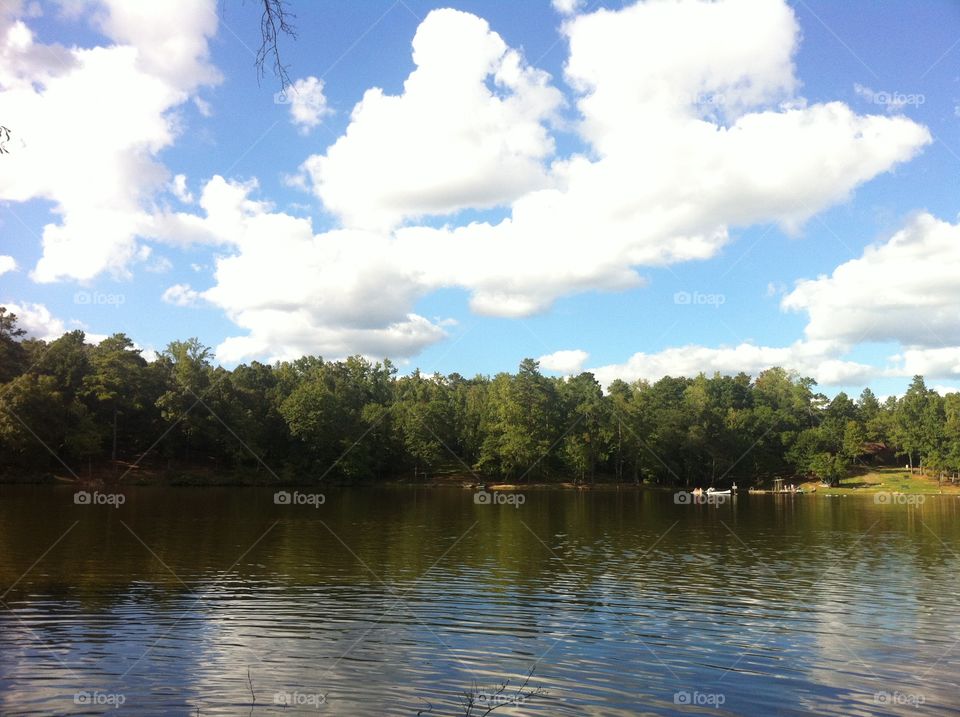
69, 405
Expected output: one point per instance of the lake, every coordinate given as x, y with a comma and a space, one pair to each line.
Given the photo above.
389, 600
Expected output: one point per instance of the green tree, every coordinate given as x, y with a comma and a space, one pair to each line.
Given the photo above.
829, 468
853, 439
913, 419
114, 382
33, 422
423, 415
521, 423
13, 358
585, 443
186, 368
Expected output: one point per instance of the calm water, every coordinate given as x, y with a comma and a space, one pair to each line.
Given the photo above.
382, 601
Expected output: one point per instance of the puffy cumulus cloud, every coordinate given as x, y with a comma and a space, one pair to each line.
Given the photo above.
509, 272
450, 140
20, 58
170, 37
226, 206
659, 60
180, 295
691, 125
37, 320
7, 263
566, 362
941, 362
689, 112
308, 105
284, 335
296, 293
903, 289
98, 168
814, 359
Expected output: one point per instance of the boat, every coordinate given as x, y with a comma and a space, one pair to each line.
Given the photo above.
729, 491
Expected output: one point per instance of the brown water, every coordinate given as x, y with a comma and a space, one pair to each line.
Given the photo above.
387, 600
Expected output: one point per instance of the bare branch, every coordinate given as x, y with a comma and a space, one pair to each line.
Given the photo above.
484, 703
275, 19
253, 695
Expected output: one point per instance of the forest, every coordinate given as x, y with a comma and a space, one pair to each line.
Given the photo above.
68, 408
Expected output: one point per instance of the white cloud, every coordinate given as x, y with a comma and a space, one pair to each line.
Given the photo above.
40, 323
20, 58
170, 38
901, 290
296, 293
809, 359
37, 321
692, 125
226, 205
179, 189
203, 107
180, 295
91, 122
904, 289
931, 363
7, 263
284, 335
567, 362
667, 176
567, 7
308, 105
449, 141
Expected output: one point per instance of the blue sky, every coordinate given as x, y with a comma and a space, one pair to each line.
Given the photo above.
397, 244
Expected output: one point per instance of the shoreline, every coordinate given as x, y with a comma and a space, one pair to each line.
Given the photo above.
881, 480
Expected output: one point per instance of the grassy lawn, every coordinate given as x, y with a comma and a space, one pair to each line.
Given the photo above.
892, 480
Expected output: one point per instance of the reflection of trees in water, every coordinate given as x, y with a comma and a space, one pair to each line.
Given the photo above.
478, 575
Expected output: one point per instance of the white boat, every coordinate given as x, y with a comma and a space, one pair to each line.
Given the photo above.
713, 491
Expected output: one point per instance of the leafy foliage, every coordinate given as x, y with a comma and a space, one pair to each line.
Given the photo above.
66, 403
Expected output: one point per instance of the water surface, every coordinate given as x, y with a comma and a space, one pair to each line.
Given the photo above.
385, 601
